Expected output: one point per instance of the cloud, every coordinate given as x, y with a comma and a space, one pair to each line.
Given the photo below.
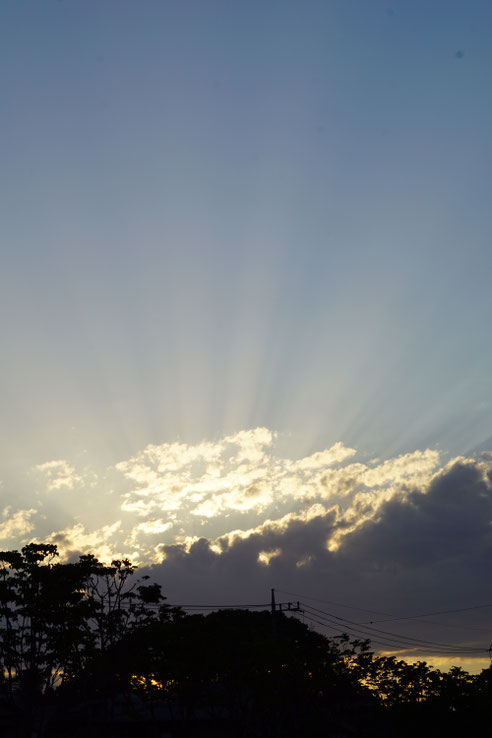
236, 475
16, 525
237, 487
420, 548
148, 528
264, 557
76, 540
242, 478
232, 518
59, 474
204, 479
321, 459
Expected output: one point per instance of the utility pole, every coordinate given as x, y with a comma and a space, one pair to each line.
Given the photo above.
274, 624
281, 607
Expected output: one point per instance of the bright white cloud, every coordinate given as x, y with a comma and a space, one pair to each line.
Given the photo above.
235, 487
242, 474
78, 540
237, 473
322, 459
16, 525
148, 528
59, 474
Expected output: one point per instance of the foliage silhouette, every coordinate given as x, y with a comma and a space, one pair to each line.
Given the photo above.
87, 647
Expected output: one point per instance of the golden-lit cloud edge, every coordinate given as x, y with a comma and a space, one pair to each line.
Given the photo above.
234, 487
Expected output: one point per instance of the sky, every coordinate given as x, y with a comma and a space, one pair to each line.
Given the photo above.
245, 293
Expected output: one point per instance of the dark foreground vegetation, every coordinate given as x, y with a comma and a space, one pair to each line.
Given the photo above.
86, 650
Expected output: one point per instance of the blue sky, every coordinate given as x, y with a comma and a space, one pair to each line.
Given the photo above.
221, 216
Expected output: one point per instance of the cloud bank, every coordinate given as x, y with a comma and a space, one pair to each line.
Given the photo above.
225, 521
397, 550
240, 480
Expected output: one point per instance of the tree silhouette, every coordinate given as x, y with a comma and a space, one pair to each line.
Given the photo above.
60, 623
80, 639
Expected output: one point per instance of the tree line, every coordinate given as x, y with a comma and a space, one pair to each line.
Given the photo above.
89, 647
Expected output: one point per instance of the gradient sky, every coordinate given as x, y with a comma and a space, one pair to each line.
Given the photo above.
259, 230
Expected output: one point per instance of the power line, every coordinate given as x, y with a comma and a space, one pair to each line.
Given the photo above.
391, 643
385, 643
221, 607
374, 633
393, 635
127, 603
391, 617
426, 614
330, 602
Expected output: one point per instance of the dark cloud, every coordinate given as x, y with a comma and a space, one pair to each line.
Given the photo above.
424, 551
424, 529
